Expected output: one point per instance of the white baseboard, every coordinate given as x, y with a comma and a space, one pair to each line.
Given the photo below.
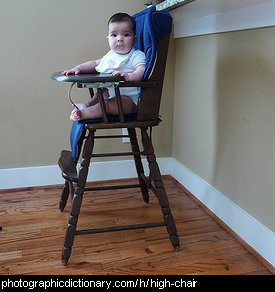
51, 175
255, 234
247, 227
30, 177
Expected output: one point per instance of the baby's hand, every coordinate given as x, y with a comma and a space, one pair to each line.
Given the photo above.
73, 71
123, 74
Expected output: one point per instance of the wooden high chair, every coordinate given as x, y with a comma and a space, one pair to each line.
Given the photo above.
147, 117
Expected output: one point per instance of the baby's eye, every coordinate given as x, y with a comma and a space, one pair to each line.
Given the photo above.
126, 35
113, 35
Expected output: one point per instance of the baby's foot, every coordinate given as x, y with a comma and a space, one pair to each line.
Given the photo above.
76, 115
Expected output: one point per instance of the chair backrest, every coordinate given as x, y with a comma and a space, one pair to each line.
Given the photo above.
153, 32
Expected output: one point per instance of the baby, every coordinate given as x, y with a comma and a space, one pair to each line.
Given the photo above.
123, 60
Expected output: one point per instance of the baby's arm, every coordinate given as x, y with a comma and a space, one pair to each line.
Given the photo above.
88, 67
134, 76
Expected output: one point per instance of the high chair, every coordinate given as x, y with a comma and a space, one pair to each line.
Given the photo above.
153, 31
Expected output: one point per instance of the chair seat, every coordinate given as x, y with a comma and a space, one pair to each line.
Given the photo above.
112, 125
98, 123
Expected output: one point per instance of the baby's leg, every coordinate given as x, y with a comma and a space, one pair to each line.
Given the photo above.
106, 93
129, 107
95, 99
81, 105
94, 111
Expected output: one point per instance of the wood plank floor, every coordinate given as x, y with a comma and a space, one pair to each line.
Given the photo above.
33, 233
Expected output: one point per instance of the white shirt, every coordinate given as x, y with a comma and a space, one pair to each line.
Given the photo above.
127, 63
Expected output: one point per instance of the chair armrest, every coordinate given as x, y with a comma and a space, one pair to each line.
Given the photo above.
142, 84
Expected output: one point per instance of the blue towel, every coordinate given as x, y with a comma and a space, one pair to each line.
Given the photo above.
151, 26
76, 131
78, 128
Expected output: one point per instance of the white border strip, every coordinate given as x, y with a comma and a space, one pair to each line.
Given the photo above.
249, 17
30, 177
259, 237
51, 175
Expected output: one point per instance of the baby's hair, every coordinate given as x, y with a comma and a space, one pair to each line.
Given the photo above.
123, 17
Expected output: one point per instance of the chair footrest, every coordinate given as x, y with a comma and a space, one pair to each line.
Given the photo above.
119, 228
68, 166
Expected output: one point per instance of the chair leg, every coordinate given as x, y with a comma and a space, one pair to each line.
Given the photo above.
67, 189
64, 196
138, 163
159, 190
77, 198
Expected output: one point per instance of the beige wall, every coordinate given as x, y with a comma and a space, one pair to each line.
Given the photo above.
37, 38
224, 115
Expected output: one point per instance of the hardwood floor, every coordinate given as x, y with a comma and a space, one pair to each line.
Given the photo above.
33, 233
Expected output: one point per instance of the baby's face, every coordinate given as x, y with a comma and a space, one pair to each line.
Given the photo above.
121, 37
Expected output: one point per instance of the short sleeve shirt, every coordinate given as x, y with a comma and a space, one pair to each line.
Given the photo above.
125, 63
